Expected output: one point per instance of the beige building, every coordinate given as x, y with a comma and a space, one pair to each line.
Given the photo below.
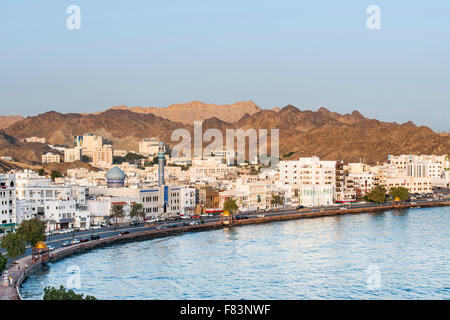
413, 184
34, 139
102, 156
72, 154
149, 146
88, 143
51, 158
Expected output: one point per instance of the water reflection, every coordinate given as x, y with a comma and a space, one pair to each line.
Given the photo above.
312, 258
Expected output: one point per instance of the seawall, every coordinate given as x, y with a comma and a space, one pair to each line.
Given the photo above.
25, 266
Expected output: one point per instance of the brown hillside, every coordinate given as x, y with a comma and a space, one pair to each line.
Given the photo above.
326, 134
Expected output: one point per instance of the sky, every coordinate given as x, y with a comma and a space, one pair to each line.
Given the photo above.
310, 54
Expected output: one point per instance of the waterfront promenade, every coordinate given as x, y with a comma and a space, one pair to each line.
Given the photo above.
18, 275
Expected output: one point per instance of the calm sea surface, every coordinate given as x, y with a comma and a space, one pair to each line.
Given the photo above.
392, 255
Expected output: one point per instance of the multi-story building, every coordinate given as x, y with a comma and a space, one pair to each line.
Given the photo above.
413, 184
149, 147
362, 183
25, 210
207, 169
60, 214
7, 202
102, 156
51, 158
208, 196
88, 142
34, 139
315, 179
72, 154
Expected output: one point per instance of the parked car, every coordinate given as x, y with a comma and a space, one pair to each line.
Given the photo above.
124, 232
75, 241
300, 207
84, 239
134, 223
95, 237
66, 243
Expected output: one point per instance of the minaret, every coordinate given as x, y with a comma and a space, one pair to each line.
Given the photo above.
161, 158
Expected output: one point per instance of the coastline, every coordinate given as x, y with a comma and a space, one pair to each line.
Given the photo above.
20, 274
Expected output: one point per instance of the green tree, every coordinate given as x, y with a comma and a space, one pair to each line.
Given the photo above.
32, 231
400, 192
276, 200
230, 205
377, 195
3, 261
85, 159
55, 174
137, 211
14, 245
51, 293
116, 213
41, 172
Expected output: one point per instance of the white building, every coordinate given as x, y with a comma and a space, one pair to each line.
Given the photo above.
7, 202
25, 210
315, 179
60, 214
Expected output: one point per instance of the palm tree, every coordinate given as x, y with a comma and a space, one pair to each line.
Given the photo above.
115, 213
137, 211
276, 200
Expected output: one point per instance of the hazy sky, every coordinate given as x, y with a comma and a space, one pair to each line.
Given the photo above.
156, 53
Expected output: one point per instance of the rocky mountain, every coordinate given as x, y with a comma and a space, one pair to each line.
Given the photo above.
196, 110
6, 121
329, 135
22, 151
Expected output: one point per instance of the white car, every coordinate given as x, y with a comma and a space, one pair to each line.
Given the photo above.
193, 223
260, 216
75, 241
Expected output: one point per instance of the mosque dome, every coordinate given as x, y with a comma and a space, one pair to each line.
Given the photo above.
115, 174
115, 178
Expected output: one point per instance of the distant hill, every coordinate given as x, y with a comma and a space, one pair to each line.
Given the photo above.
196, 110
27, 152
6, 121
329, 135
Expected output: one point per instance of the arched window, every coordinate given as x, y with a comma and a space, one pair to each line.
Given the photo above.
11, 184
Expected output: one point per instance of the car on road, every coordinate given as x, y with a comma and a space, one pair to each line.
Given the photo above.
84, 239
134, 223
260, 216
75, 241
50, 248
95, 237
193, 223
300, 207
124, 232
66, 243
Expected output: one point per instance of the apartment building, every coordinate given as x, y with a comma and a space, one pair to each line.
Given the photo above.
72, 154
102, 156
315, 179
51, 158
149, 147
7, 202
